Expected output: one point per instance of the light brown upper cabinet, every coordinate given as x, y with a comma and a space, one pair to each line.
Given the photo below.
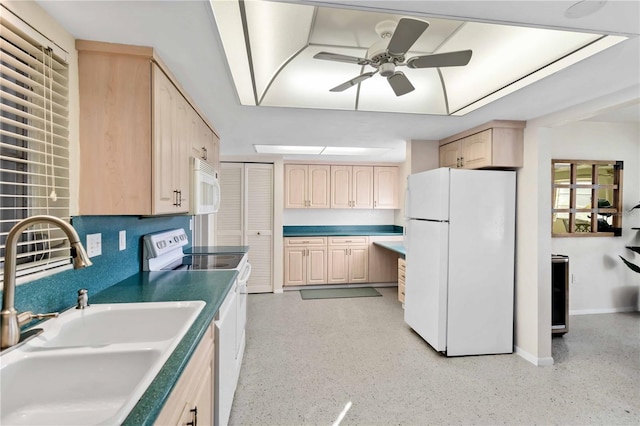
497, 144
352, 187
306, 186
385, 188
137, 132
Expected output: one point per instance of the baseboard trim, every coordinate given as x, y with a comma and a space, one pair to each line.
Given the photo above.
539, 362
603, 311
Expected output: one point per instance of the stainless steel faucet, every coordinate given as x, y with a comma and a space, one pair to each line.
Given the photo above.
83, 298
10, 320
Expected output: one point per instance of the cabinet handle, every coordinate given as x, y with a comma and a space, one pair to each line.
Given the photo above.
461, 161
375, 203
175, 198
204, 153
457, 162
258, 232
194, 417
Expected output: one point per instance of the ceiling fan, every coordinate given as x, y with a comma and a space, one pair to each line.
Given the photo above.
389, 52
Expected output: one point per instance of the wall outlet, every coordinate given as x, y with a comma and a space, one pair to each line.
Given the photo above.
94, 245
122, 240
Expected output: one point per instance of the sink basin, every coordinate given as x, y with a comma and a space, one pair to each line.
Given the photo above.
91, 366
71, 388
119, 323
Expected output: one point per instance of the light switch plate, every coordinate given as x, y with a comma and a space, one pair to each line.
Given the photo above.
94, 245
122, 240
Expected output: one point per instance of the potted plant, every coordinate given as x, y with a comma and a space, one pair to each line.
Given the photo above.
635, 249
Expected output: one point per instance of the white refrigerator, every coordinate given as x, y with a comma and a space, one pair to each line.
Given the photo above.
460, 242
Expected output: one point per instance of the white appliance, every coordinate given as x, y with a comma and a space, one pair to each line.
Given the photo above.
163, 251
460, 240
205, 188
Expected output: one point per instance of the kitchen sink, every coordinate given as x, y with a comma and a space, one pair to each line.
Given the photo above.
100, 325
91, 366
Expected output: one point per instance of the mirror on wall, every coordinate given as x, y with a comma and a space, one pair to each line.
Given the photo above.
586, 198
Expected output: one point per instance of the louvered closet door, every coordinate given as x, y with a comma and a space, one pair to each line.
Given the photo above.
230, 216
259, 225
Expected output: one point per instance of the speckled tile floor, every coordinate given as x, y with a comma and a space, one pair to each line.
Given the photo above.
305, 359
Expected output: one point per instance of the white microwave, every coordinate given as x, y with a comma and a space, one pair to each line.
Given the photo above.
205, 189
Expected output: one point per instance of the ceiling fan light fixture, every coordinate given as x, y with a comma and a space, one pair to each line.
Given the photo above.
387, 69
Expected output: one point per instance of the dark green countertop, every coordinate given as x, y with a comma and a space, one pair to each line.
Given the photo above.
209, 286
340, 231
395, 246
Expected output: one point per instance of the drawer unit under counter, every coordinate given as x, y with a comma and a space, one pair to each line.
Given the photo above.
349, 241
305, 241
402, 267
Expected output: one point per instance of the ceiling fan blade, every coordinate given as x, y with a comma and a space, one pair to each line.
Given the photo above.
405, 34
328, 56
344, 86
450, 59
400, 83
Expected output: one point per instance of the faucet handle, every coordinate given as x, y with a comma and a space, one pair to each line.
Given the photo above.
83, 298
25, 317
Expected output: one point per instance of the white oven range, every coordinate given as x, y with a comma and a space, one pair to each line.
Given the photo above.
163, 251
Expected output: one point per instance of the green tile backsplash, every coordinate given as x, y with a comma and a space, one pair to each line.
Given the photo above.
59, 291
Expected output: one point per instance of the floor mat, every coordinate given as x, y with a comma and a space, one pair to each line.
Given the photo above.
336, 293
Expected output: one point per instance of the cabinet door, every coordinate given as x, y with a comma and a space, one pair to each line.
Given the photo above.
164, 119
115, 123
358, 264
362, 187
450, 155
258, 227
338, 265
319, 187
295, 266
214, 157
230, 216
182, 152
340, 187
316, 265
476, 150
385, 188
295, 182
197, 135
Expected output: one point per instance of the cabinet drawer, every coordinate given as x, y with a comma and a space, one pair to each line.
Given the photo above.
310, 241
348, 240
402, 265
401, 292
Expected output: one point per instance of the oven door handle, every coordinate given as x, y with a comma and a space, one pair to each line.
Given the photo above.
242, 281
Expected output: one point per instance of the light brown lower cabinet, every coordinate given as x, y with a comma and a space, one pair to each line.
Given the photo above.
305, 261
191, 401
348, 260
402, 268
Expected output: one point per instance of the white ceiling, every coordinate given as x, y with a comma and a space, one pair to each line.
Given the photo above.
185, 35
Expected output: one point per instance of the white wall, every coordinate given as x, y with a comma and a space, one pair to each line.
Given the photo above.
533, 253
601, 283
421, 155
318, 217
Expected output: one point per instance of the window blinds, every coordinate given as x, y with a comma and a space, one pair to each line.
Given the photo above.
34, 143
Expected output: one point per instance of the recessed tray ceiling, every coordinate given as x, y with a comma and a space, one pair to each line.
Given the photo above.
270, 48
